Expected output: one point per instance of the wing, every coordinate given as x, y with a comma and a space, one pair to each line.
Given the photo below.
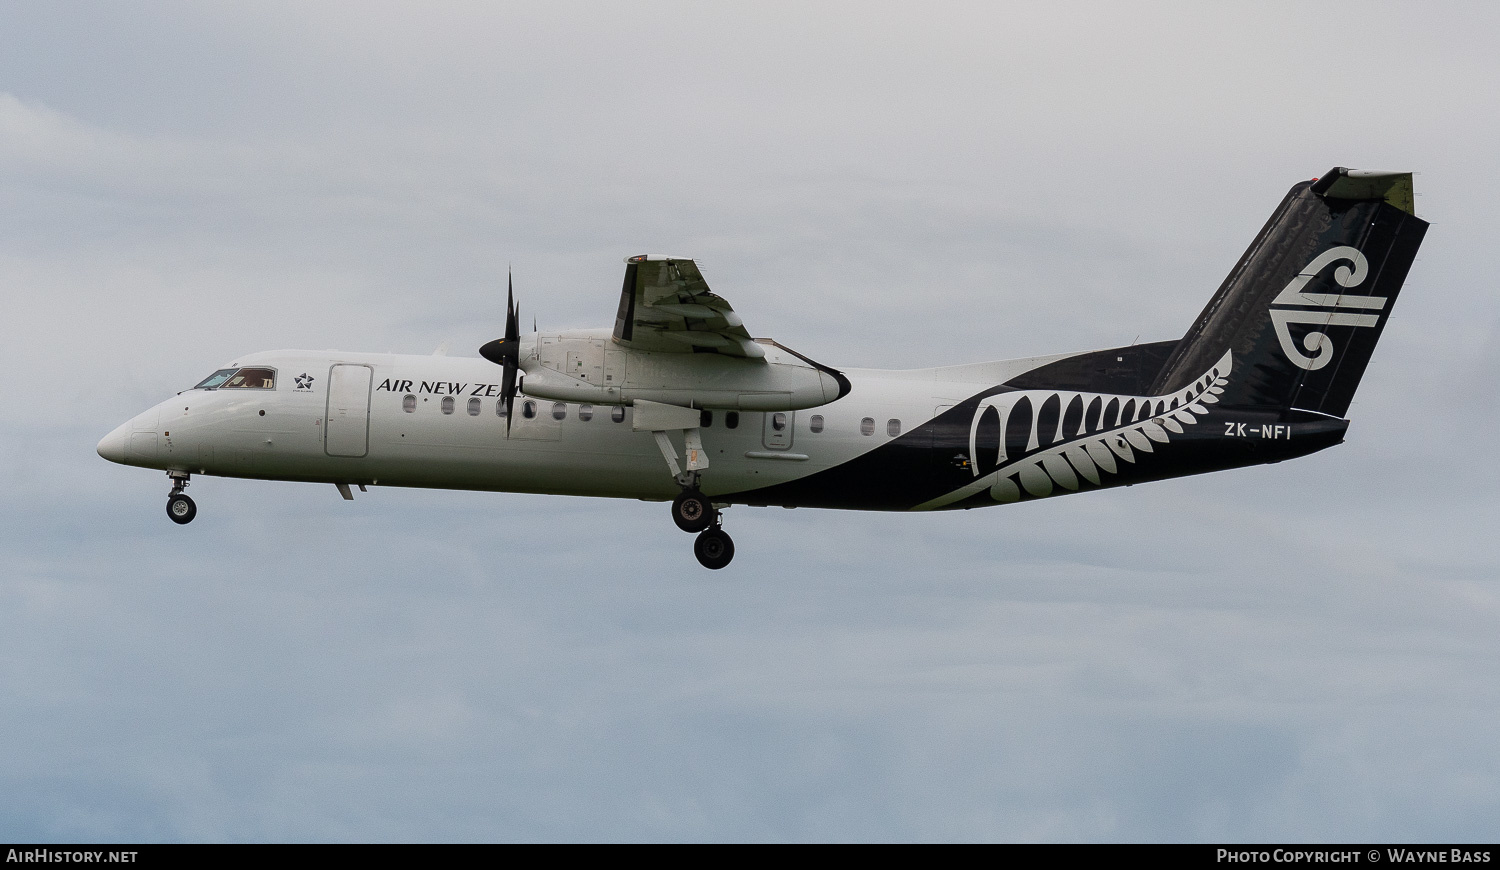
666, 306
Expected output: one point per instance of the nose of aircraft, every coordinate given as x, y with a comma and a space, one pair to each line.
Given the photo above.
112, 446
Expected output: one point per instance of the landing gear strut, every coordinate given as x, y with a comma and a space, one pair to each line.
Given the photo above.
180, 508
691, 510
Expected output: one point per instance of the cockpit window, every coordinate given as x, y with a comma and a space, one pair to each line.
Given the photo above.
239, 379
215, 379
251, 379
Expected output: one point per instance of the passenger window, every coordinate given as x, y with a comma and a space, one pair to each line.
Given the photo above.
867, 426
251, 379
731, 419
778, 421
815, 423
893, 428
528, 410
617, 413
559, 410
409, 403
585, 412
448, 404
474, 407
706, 419
499, 407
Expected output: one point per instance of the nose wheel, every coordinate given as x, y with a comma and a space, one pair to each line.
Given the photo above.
180, 508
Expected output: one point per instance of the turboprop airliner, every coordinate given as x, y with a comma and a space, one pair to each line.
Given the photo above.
678, 403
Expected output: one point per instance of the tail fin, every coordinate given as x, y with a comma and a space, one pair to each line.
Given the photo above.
1303, 308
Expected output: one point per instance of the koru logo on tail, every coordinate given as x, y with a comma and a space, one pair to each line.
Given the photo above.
1323, 309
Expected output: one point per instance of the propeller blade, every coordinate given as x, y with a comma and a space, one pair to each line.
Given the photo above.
508, 391
506, 352
512, 312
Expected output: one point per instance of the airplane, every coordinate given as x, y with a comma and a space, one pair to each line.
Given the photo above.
1266, 373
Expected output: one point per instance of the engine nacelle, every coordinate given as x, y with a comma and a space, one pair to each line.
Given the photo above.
588, 366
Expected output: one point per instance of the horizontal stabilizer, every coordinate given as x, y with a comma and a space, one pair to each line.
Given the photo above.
1364, 184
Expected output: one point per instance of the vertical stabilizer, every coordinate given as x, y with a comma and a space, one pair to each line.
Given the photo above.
1302, 310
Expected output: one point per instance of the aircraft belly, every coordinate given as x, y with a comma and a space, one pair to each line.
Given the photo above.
520, 469
611, 463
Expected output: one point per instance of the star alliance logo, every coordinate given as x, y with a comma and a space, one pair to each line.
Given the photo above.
304, 381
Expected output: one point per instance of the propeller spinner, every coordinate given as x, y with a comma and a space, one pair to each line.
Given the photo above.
505, 352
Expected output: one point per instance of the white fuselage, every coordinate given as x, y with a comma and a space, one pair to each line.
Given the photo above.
454, 436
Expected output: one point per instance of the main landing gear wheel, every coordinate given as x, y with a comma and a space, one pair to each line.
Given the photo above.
714, 549
692, 512
181, 509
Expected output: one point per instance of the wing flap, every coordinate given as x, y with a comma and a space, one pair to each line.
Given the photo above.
666, 306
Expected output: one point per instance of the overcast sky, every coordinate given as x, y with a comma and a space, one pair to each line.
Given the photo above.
1305, 651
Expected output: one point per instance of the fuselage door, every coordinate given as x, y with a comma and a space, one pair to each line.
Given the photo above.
777, 431
347, 425
950, 440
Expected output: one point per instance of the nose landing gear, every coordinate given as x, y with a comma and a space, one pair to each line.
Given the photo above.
180, 508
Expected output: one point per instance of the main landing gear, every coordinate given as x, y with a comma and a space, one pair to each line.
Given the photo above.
693, 512
691, 509
180, 508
